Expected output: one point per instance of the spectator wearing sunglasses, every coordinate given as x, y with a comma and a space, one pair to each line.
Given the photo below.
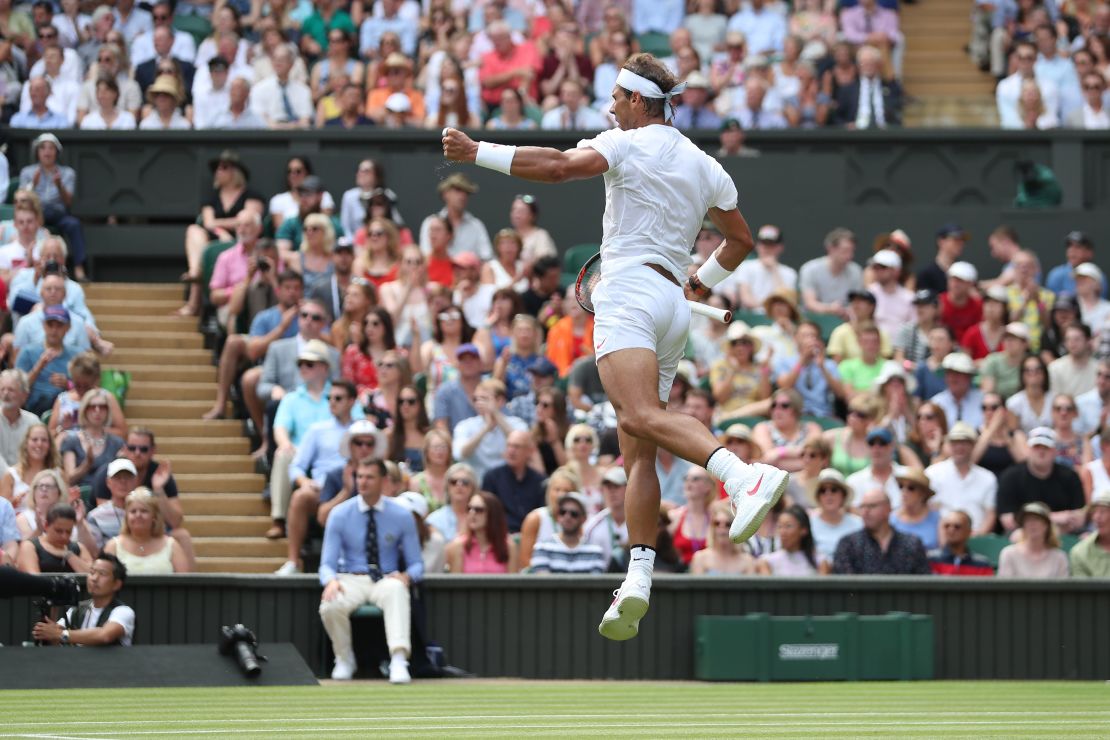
880, 474
483, 544
566, 551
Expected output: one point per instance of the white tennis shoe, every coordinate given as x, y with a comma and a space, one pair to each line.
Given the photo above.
630, 604
345, 668
752, 496
399, 671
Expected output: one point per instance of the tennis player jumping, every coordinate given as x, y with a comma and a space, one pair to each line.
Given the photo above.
658, 188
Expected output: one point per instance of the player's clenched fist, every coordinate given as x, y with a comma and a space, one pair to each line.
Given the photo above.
457, 146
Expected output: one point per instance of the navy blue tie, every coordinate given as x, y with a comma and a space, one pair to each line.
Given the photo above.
374, 569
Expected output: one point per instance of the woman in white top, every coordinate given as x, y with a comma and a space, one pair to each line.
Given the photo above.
797, 551
541, 524
1037, 553
507, 270
165, 96
721, 556
536, 241
44, 492
36, 454
830, 520
1094, 310
288, 204
453, 109
1032, 405
462, 483
582, 445
107, 115
1031, 108
143, 545
406, 298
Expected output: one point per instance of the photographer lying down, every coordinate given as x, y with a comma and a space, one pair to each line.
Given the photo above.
102, 620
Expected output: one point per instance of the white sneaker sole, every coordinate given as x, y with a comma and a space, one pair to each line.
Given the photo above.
625, 624
752, 510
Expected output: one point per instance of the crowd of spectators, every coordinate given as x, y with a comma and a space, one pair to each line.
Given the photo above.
499, 64
1051, 59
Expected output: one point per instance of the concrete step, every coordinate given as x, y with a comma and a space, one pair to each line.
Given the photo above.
133, 291
162, 324
177, 391
210, 464
224, 504
163, 306
167, 427
222, 525
173, 447
947, 88
157, 340
228, 482
238, 564
202, 373
146, 356
239, 547
168, 409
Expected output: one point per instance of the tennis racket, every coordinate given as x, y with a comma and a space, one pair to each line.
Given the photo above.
590, 276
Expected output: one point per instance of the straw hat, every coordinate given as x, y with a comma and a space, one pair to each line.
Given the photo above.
164, 86
740, 330
783, 295
917, 477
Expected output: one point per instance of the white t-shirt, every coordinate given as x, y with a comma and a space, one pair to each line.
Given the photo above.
974, 494
121, 615
13, 256
284, 205
658, 188
95, 122
864, 481
760, 281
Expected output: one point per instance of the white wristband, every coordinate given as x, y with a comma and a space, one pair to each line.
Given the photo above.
495, 156
711, 273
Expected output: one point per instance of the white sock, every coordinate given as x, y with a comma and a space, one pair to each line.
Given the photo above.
723, 464
641, 561
400, 658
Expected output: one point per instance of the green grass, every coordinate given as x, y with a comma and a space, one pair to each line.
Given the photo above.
492, 708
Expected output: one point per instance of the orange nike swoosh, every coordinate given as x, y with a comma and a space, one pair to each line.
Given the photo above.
758, 483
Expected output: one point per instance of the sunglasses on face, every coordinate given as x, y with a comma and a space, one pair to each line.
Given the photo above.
828, 489
307, 316
376, 233
1095, 88
544, 404
580, 440
573, 513
991, 407
927, 417
143, 449
306, 364
877, 443
314, 228
408, 401
295, 171
98, 407
476, 509
1064, 409
338, 397
952, 525
362, 442
782, 405
386, 365
859, 414
458, 482
450, 316
1026, 57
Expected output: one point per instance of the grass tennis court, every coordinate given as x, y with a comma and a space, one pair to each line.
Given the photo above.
503, 708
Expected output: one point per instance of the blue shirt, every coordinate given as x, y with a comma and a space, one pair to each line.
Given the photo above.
345, 540
24, 281
811, 384
452, 403
9, 531
266, 320
333, 484
50, 119
925, 530
490, 450
370, 34
657, 16
765, 31
30, 331
445, 520
298, 411
42, 392
318, 451
1062, 278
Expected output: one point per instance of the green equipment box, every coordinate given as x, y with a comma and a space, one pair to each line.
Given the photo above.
843, 647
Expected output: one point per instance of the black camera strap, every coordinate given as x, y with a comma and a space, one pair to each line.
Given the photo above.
86, 606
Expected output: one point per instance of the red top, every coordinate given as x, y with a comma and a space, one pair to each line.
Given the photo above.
359, 369
440, 271
960, 318
687, 546
975, 345
389, 277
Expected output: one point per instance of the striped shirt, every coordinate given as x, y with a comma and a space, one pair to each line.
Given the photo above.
553, 556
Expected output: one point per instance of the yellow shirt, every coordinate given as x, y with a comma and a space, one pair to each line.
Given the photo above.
844, 344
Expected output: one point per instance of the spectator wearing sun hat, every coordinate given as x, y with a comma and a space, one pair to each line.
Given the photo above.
915, 516
1000, 372
1038, 553
398, 71
470, 233
1091, 557
960, 401
1041, 478
1094, 310
893, 302
831, 520
960, 307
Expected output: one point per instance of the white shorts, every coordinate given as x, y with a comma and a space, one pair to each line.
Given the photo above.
637, 308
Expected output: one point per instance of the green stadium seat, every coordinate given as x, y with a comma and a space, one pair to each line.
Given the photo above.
420, 382
13, 185
197, 27
656, 44
989, 546
367, 611
208, 262
7, 212
825, 422
573, 259
752, 318
827, 322
1068, 541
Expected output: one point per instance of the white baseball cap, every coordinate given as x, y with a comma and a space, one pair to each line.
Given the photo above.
964, 271
1042, 437
120, 465
414, 502
887, 258
1017, 329
958, 362
1090, 270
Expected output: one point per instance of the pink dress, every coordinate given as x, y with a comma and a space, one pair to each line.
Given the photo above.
476, 560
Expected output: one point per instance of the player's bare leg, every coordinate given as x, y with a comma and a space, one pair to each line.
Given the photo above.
631, 380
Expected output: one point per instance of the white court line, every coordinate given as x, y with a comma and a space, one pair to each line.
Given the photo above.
54, 737
677, 722
570, 715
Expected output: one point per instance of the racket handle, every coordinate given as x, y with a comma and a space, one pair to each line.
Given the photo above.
719, 314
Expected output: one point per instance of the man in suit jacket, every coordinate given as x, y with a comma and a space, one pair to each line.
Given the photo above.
279, 369
146, 72
870, 101
371, 554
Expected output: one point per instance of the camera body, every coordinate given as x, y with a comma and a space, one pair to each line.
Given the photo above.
62, 591
52, 267
240, 643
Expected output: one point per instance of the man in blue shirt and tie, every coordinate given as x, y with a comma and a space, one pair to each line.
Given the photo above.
373, 541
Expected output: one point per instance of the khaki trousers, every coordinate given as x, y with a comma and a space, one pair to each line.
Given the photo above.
389, 594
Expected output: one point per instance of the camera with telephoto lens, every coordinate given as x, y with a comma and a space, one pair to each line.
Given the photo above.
51, 267
60, 591
240, 643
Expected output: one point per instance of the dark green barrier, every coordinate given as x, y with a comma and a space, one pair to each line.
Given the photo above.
546, 626
808, 182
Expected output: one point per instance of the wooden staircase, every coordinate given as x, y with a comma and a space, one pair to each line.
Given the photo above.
943, 85
173, 382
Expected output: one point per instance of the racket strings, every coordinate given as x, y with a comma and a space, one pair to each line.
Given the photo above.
591, 277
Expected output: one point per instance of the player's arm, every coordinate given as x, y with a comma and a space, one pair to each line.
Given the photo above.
737, 245
535, 163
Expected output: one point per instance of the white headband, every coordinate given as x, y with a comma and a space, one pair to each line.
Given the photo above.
629, 80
